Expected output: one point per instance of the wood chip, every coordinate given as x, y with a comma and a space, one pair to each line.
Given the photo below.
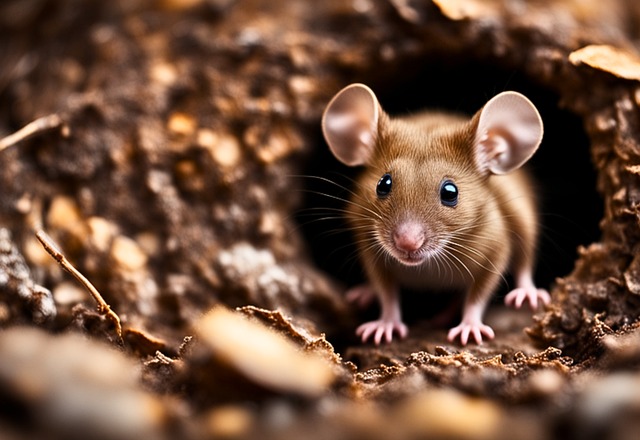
613, 60
262, 355
463, 9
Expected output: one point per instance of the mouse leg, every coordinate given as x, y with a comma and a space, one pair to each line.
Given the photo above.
526, 291
390, 321
471, 324
523, 263
362, 295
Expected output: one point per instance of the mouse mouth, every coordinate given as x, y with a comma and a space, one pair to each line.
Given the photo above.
413, 258
409, 258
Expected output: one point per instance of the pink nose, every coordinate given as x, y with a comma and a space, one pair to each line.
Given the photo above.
409, 236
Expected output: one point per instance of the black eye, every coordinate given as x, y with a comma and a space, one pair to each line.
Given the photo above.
384, 186
449, 193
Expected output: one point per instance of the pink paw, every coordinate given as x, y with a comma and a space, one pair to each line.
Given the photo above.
381, 328
466, 329
363, 295
517, 297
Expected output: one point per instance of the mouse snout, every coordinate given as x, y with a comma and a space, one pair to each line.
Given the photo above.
409, 236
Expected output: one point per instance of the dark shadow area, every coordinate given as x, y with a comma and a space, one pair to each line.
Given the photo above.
570, 208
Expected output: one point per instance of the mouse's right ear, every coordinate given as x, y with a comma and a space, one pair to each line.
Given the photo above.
350, 124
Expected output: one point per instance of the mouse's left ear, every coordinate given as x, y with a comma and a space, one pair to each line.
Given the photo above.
509, 131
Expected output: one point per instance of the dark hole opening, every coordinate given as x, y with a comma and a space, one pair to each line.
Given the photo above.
570, 207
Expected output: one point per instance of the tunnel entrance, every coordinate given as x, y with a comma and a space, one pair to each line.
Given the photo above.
569, 205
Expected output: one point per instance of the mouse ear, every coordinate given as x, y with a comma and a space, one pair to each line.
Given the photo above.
509, 132
350, 124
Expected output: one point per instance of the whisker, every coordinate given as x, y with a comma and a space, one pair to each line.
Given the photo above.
349, 202
326, 180
493, 269
342, 187
450, 266
452, 255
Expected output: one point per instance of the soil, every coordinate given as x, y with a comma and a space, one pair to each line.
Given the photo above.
172, 151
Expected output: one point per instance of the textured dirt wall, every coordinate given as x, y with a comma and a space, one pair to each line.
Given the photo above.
169, 176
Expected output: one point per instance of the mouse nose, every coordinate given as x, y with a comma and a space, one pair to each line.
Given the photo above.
409, 237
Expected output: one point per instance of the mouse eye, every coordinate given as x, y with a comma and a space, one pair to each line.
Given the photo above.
384, 186
449, 193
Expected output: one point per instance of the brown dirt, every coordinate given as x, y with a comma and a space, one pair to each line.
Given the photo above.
170, 178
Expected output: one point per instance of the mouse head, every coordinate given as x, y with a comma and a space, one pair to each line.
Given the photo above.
424, 180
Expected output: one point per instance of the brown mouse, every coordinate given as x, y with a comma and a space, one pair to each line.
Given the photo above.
442, 204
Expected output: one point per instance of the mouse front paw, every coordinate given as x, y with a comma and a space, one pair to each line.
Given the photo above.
381, 329
532, 294
471, 328
362, 295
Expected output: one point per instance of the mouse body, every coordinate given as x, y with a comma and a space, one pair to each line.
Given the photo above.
442, 204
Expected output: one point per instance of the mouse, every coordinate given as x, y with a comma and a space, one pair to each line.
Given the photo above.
442, 203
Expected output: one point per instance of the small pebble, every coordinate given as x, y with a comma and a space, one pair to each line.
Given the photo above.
228, 422
128, 254
68, 292
181, 124
450, 414
102, 232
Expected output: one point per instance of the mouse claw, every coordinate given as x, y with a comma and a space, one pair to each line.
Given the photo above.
517, 297
466, 329
382, 329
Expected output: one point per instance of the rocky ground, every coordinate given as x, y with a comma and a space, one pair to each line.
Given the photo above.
171, 151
